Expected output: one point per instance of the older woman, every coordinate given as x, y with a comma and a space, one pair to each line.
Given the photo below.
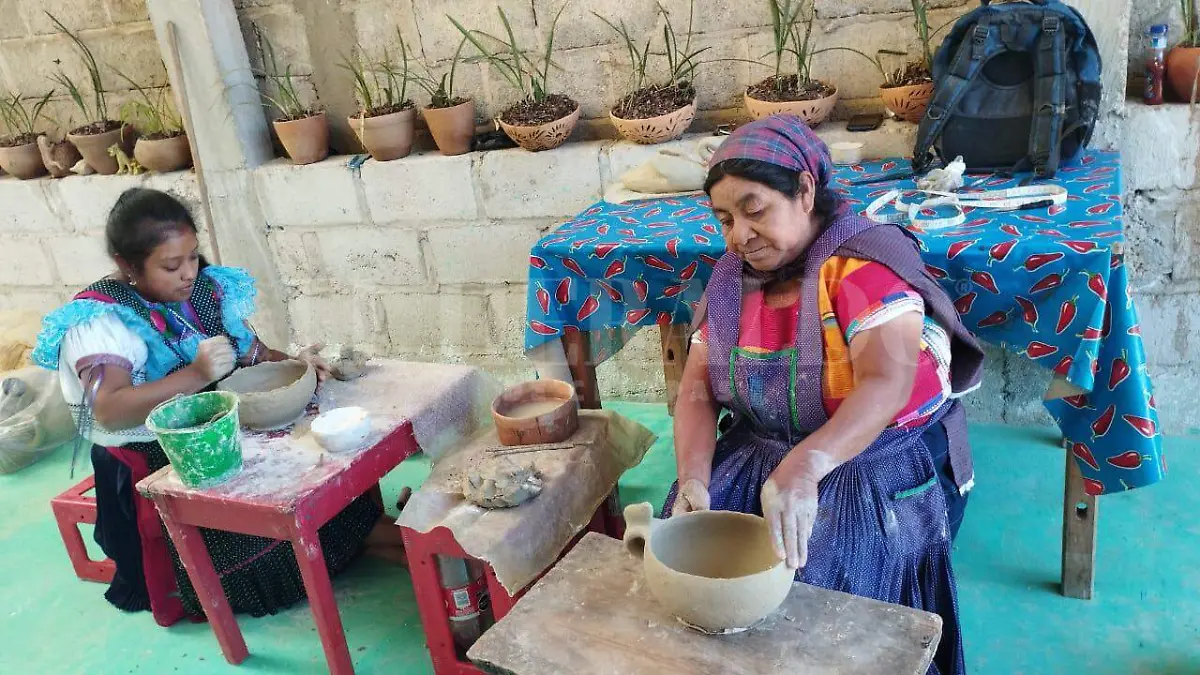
839, 360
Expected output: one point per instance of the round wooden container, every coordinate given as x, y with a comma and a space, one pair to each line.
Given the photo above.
541, 411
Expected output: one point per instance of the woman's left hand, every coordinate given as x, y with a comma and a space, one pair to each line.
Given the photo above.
312, 356
790, 500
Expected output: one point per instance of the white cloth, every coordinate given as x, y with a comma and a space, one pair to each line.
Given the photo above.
103, 336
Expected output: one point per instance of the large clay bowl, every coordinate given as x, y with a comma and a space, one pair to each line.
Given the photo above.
813, 112
714, 570
652, 130
272, 395
164, 155
541, 411
908, 103
543, 136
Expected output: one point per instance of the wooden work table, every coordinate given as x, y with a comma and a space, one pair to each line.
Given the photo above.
593, 615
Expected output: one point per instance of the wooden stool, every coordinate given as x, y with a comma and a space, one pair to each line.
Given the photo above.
422, 550
70, 509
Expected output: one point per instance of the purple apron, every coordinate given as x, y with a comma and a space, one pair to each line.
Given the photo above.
881, 528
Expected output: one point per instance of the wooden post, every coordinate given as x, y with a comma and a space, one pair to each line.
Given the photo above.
1079, 535
578, 346
674, 356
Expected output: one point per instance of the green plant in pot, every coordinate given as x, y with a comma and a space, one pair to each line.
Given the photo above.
792, 88
302, 128
1183, 60
450, 118
908, 90
655, 112
385, 120
162, 145
95, 138
19, 153
541, 120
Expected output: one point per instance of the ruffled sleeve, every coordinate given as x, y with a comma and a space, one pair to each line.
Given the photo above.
77, 313
236, 293
103, 340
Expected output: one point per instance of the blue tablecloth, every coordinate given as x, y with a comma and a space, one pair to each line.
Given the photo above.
1048, 284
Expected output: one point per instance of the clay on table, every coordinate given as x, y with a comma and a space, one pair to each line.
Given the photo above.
350, 364
501, 483
272, 395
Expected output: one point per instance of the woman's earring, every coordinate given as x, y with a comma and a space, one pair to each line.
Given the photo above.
132, 282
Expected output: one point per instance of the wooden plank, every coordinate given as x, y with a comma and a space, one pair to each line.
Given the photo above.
593, 614
1080, 514
578, 346
674, 356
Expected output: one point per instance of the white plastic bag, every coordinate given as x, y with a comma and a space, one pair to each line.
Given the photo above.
34, 417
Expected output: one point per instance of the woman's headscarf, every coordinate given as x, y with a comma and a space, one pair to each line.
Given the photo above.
781, 140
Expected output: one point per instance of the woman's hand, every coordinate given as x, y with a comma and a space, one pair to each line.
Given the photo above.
311, 355
790, 500
692, 496
215, 358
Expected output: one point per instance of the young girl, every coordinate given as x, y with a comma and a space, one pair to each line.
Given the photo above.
168, 323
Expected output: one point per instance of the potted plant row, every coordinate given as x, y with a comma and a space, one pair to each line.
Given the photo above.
662, 111
19, 153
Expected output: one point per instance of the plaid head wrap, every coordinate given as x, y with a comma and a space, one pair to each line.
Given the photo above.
782, 140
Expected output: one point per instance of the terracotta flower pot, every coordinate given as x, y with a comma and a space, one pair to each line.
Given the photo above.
94, 147
543, 136
908, 103
659, 129
23, 161
453, 129
164, 155
1183, 67
58, 156
814, 112
386, 137
305, 140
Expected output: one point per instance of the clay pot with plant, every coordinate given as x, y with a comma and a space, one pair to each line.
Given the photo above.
450, 118
96, 138
541, 120
162, 145
793, 92
20, 156
1183, 60
302, 129
386, 117
907, 91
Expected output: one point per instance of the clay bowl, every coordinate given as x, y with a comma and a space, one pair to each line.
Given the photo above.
541, 411
715, 571
342, 429
23, 161
908, 103
543, 136
655, 130
813, 112
164, 155
272, 395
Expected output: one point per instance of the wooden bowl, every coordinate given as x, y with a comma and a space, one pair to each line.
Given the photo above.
541, 411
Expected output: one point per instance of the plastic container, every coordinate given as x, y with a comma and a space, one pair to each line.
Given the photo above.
34, 418
199, 434
468, 605
1156, 64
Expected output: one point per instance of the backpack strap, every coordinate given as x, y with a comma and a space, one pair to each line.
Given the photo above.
1049, 98
966, 66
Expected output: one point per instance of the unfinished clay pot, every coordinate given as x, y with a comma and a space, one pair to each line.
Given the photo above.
164, 155
23, 161
305, 140
386, 137
659, 129
453, 129
813, 112
908, 103
715, 571
1183, 70
58, 156
544, 136
272, 395
501, 483
95, 147
541, 411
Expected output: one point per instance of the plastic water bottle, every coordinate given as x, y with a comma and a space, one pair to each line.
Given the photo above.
1156, 65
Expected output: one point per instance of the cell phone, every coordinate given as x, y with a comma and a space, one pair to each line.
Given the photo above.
867, 122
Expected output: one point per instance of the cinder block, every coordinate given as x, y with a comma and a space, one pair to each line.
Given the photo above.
1150, 163
1175, 395
585, 78
376, 23
80, 260
314, 195
435, 323
506, 308
388, 257
440, 38
284, 27
1150, 230
88, 199
482, 253
521, 184
127, 11
76, 16
1185, 256
831, 9
24, 263
36, 300
14, 25
25, 206
346, 319
133, 49
427, 187
289, 248
1170, 328
712, 17
578, 27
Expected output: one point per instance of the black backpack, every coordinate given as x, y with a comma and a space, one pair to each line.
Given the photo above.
1016, 88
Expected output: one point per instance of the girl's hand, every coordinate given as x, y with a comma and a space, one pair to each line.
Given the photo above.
215, 358
311, 355
692, 496
790, 502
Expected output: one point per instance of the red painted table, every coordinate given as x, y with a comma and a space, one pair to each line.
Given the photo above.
303, 500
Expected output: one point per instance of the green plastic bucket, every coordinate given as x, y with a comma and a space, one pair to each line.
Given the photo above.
199, 434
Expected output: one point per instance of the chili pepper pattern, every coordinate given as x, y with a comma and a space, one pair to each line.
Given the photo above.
665, 249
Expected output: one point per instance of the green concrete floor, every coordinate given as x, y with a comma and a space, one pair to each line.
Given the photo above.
1145, 617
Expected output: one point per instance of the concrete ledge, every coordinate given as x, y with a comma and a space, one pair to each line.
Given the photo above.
1165, 155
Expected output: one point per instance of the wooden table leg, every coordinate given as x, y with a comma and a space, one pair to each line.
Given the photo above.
578, 347
1080, 514
674, 356
311, 560
199, 566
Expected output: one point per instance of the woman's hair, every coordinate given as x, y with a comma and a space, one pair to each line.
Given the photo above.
141, 220
775, 177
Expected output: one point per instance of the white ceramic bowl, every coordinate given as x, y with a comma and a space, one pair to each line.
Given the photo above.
342, 429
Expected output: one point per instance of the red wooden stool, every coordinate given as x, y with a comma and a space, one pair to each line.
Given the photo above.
70, 509
422, 550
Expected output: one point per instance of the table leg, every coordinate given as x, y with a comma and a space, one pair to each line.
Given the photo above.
674, 356
579, 350
199, 566
311, 560
1080, 513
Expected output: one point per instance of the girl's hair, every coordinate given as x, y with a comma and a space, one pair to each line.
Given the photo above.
775, 177
141, 220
